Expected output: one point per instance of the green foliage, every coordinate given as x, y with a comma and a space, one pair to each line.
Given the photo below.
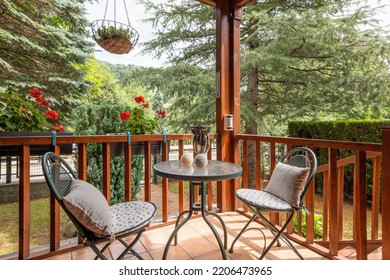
343, 130
107, 32
100, 120
41, 44
16, 114
317, 225
328, 61
189, 95
300, 59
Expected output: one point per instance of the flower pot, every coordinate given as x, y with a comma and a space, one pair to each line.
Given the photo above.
36, 150
116, 45
137, 148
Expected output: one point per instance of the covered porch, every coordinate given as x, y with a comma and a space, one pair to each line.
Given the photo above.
370, 237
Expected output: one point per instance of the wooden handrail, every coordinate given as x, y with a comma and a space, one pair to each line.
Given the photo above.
333, 188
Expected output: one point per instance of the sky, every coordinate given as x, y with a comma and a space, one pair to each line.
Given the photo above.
137, 15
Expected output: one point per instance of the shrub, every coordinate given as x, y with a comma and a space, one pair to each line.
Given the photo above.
100, 120
317, 225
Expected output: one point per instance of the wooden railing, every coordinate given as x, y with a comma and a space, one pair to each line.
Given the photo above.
55, 244
331, 209
267, 150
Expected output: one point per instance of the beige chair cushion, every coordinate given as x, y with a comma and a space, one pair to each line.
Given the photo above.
287, 183
89, 207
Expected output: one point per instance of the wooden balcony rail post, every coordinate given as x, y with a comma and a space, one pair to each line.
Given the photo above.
106, 172
181, 183
82, 161
24, 203
333, 205
386, 193
148, 171
361, 206
165, 186
376, 182
55, 234
128, 177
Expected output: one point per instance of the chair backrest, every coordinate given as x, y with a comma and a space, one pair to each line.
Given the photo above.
305, 158
59, 176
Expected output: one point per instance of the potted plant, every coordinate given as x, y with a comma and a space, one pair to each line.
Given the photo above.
141, 120
28, 117
117, 38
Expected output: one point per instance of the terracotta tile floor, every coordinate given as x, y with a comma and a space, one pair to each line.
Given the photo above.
196, 242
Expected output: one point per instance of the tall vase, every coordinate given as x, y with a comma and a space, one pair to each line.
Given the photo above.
200, 139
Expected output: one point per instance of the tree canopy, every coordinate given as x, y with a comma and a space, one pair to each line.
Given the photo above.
42, 43
300, 59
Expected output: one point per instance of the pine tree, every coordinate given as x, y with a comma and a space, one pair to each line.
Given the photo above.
42, 44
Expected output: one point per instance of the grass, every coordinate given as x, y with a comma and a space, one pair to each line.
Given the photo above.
40, 224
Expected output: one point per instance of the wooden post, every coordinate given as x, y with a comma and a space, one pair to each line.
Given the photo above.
361, 206
165, 190
106, 172
147, 172
82, 161
386, 193
333, 205
55, 215
227, 92
128, 172
24, 203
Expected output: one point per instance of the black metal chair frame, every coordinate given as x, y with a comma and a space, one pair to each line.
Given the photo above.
52, 162
297, 155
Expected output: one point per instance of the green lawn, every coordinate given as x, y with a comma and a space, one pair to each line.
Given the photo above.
40, 224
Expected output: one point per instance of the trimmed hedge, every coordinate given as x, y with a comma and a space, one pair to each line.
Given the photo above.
342, 130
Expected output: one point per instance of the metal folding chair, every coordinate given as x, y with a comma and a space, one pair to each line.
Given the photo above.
128, 218
285, 192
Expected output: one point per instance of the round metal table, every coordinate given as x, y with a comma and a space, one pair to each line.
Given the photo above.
197, 176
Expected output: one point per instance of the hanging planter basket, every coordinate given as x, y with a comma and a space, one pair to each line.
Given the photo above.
114, 37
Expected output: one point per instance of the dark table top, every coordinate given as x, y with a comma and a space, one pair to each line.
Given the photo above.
214, 171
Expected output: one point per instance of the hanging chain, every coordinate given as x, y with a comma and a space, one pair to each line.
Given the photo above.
127, 14
115, 13
105, 12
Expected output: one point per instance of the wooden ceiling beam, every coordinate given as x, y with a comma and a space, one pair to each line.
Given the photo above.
237, 3
241, 3
208, 2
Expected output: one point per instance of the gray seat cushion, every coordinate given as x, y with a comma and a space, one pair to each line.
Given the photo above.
263, 200
128, 216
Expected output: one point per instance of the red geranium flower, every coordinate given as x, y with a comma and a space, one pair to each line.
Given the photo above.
162, 114
51, 114
125, 116
45, 102
139, 99
58, 127
35, 92
39, 99
146, 105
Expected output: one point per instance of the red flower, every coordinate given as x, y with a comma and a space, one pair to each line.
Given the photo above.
139, 99
162, 114
58, 127
45, 102
125, 116
40, 99
51, 114
24, 110
35, 92
146, 105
